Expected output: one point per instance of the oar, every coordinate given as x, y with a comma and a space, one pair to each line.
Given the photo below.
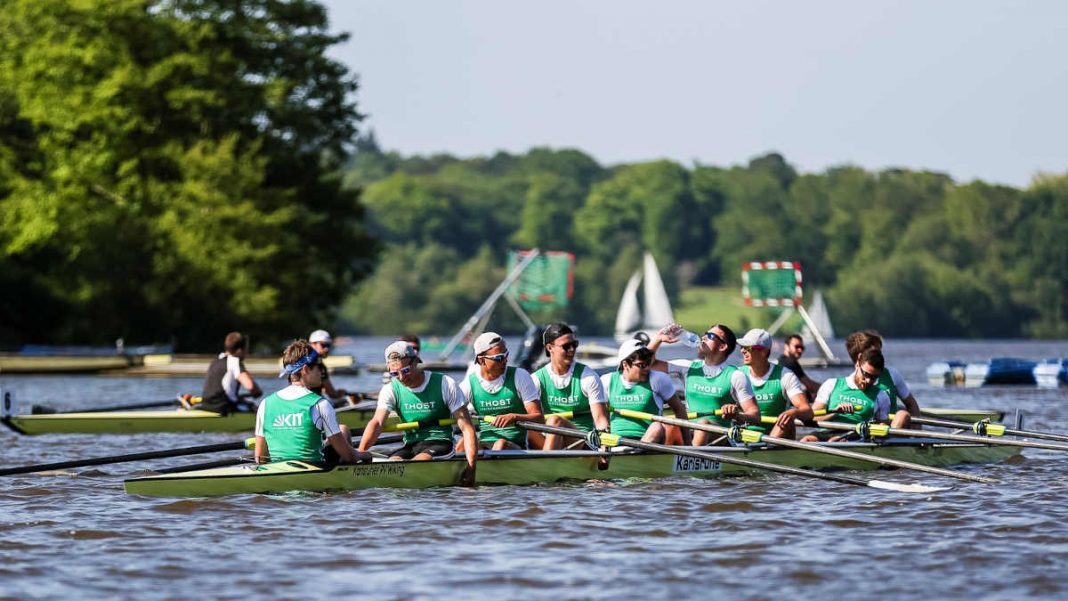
867, 430
753, 437
597, 439
249, 443
986, 428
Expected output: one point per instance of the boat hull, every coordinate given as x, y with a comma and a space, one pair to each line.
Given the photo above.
533, 467
138, 422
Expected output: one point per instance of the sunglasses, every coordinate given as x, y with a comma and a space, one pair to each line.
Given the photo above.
326, 344
755, 347
400, 373
499, 358
570, 346
713, 336
867, 375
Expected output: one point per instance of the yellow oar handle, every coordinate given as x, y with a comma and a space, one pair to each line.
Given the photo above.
988, 429
402, 426
250, 443
771, 419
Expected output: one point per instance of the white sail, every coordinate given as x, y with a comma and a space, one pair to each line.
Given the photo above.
657, 310
821, 319
629, 316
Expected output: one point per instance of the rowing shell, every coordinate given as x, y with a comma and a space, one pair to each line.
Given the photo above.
133, 422
533, 467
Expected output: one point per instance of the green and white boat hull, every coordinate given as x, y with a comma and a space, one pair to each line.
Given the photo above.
533, 467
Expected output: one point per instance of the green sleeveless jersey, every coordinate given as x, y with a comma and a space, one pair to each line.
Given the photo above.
770, 396
708, 394
505, 400
638, 398
844, 394
426, 406
289, 430
569, 398
886, 382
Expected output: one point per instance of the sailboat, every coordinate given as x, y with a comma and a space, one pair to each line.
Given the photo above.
821, 320
654, 310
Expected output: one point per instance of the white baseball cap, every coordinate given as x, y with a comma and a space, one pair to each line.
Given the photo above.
399, 350
320, 336
486, 341
628, 348
756, 337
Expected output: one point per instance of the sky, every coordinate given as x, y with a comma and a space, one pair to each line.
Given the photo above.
975, 89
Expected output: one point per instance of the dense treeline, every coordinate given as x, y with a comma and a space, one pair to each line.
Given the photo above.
168, 171
910, 253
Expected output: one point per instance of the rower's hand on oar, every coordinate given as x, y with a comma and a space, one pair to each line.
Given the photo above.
505, 420
730, 411
467, 477
844, 408
786, 418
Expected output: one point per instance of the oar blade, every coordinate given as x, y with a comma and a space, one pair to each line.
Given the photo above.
913, 488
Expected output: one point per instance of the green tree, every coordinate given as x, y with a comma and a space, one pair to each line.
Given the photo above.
168, 169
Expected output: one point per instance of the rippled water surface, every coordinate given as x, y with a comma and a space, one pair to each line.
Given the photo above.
77, 534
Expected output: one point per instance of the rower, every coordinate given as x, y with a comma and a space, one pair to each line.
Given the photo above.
322, 342
292, 423
711, 383
565, 385
226, 375
419, 395
778, 390
858, 389
500, 391
635, 387
891, 379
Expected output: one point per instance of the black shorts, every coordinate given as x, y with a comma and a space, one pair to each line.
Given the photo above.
438, 449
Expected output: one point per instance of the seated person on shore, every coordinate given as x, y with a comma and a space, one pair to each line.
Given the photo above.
322, 342
842, 396
793, 348
292, 423
778, 391
891, 379
501, 391
226, 376
426, 397
565, 385
711, 384
635, 387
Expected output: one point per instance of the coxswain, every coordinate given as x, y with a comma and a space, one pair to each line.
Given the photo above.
292, 423
891, 379
226, 375
427, 397
853, 399
498, 390
711, 383
779, 393
565, 385
635, 387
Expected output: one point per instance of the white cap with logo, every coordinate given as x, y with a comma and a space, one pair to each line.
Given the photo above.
756, 337
320, 336
628, 348
399, 350
486, 341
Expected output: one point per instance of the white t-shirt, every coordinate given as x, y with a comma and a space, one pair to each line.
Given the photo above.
450, 393
230, 384
322, 412
903, 391
660, 382
588, 382
882, 400
741, 388
790, 384
524, 385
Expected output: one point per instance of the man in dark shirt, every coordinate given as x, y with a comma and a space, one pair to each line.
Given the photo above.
226, 376
793, 348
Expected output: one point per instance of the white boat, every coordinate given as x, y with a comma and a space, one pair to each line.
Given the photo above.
1052, 373
654, 310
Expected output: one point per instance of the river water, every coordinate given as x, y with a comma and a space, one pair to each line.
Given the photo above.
78, 535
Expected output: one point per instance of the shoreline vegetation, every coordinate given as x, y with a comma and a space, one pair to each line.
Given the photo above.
173, 172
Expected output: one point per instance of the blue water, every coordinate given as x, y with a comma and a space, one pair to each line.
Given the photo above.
77, 534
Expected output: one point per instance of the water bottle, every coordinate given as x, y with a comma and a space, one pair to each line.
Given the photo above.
690, 339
